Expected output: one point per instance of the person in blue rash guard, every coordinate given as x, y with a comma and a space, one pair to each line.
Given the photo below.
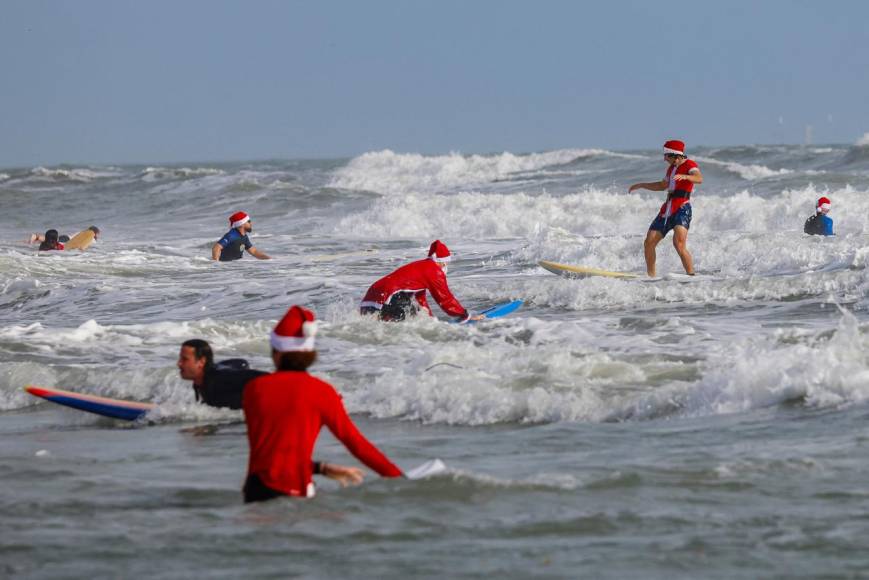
820, 224
232, 245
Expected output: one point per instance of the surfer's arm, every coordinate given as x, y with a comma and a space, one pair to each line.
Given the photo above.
651, 186
339, 423
445, 299
257, 254
341, 473
694, 176
216, 250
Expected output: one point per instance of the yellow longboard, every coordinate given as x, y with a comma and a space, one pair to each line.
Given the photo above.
80, 241
581, 271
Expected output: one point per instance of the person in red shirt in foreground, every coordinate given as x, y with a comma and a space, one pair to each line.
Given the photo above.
392, 297
682, 174
285, 411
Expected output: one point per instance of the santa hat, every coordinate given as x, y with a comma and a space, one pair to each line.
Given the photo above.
295, 332
823, 205
238, 219
675, 147
439, 252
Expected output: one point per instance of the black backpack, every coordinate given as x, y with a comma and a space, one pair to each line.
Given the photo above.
814, 226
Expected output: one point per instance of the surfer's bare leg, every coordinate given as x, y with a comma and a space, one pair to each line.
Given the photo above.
653, 237
680, 242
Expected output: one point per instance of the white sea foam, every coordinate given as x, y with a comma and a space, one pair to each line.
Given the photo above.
593, 212
82, 175
540, 381
159, 173
863, 141
749, 172
388, 172
822, 370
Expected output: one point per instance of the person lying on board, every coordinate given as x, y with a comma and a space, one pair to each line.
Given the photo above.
50, 241
820, 224
221, 385
234, 242
285, 412
401, 293
48, 236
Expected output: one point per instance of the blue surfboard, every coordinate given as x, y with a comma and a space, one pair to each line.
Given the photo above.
499, 310
114, 408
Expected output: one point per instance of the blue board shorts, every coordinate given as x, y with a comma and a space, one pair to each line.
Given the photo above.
680, 218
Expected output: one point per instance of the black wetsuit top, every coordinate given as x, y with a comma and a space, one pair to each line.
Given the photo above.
224, 383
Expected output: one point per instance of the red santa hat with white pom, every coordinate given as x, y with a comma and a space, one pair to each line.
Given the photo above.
439, 252
238, 219
824, 205
295, 332
674, 147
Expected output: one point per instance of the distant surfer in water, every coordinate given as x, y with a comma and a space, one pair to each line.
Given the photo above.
36, 237
285, 412
820, 224
222, 384
232, 245
682, 174
50, 241
215, 384
401, 293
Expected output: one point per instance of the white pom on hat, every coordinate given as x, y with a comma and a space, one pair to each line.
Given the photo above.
295, 332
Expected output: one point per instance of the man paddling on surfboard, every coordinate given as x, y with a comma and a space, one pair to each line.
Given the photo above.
81, 240
393, 296
285, 412
232, 245
222, 384
682, 174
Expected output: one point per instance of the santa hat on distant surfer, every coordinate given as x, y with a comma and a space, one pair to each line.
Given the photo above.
674, 147
238, 219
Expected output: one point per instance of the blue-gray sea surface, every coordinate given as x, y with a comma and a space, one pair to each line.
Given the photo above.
610, 428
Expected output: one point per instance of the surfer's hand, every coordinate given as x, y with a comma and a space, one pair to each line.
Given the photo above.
342, 474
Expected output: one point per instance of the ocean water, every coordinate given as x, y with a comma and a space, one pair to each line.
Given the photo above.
716, 428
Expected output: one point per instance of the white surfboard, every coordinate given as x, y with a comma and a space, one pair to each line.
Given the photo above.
427, 469
569, 271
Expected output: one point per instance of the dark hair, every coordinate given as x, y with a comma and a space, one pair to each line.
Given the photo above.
295, 361
50, 242
201, 349
94, 229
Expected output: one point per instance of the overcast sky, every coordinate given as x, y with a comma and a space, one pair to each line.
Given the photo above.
122, 81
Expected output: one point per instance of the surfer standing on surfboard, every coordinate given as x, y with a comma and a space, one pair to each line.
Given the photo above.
222, 384
285, 412
393, 296
232, 245
682, 174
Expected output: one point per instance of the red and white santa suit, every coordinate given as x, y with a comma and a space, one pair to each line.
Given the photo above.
678, 191
417, 278
285, 411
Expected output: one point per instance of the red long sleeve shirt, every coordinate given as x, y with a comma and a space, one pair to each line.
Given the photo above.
417, 277
284, 412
